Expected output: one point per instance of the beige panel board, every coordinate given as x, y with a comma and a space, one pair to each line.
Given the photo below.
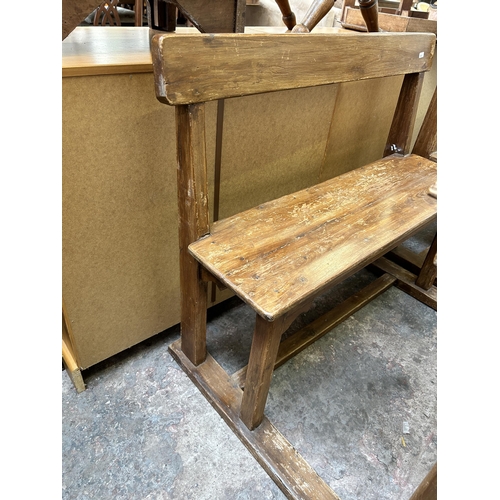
362, 117
273, 145
120, 243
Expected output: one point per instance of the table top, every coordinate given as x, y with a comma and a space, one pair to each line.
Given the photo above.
111, 50
106, 50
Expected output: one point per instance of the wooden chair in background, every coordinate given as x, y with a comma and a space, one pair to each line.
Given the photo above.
107, 13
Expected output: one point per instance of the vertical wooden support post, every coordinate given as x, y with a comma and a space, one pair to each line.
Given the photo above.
404, 7
138, 12
192, 192
239, 16
68, 355
426, 142
263, 353
428, 272
400, 134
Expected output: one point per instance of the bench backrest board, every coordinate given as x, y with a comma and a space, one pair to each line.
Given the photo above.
197, 68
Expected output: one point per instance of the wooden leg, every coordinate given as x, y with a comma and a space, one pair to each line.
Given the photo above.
192, 191
288, 15
428, 272
427, 490
265, 344
72, 369
193, 311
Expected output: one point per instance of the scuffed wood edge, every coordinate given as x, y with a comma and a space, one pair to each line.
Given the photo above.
69, 358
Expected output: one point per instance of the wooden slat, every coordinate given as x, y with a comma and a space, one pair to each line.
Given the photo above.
195, 68
406, 282
288, 469
276, 255
401, 132
297, 342
265, 344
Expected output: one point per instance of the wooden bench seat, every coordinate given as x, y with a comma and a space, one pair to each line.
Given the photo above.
282, 253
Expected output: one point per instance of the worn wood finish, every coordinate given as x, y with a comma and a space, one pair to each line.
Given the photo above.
306, 336
370, 210
406, 282
399, 140
293, 475
192, 189
316, 12
191, 69
265, 344
427, 489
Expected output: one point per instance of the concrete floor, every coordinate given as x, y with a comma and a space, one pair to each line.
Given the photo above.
359, 405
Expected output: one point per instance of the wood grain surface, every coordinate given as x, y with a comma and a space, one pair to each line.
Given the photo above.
278, 253
197, 68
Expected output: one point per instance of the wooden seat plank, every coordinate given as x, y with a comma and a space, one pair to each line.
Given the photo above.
280, 253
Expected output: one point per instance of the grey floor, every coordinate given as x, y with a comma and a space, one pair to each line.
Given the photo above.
359, 405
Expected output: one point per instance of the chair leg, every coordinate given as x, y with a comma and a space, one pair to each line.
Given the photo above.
428, 272
265, 344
